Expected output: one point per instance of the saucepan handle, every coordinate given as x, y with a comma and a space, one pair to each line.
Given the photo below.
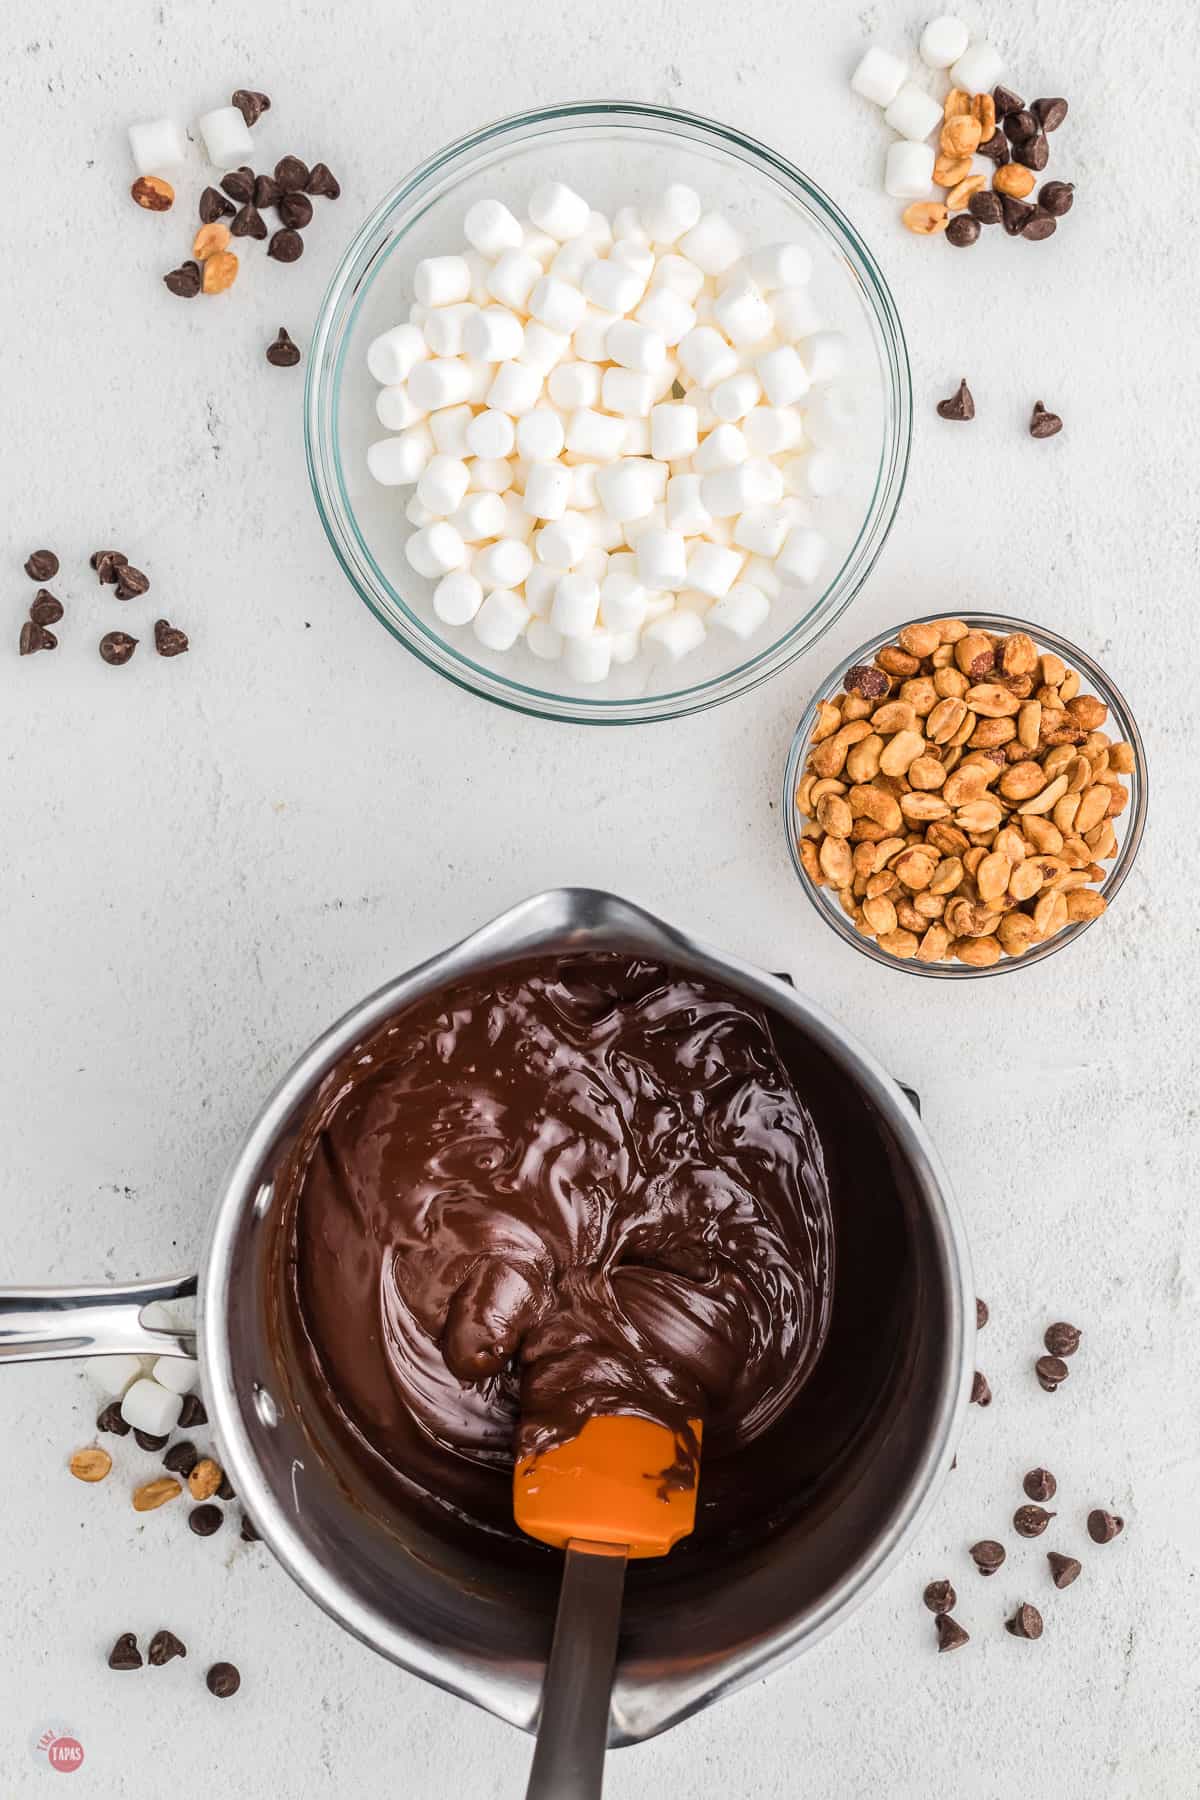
39, 1324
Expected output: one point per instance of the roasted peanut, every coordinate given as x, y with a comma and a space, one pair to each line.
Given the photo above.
960, 136
962, 190
956, 103
156, 1493
926, 217
1015, 180
983, 108
948, 171
90, 1465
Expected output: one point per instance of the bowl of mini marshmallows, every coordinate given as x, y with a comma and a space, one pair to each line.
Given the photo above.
608, 413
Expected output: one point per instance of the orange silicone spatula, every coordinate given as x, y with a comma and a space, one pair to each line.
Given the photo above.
618, 1490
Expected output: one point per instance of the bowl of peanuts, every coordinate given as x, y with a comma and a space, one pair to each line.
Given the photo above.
965, 796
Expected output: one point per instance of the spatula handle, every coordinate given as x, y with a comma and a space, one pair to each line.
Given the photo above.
568, 1763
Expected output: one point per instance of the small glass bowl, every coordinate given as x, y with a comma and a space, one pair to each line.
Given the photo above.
615, 153
1121, 725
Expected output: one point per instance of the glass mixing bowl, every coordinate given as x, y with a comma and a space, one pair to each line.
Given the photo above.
615, 154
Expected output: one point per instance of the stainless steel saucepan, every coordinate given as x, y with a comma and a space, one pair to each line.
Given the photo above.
692, 1632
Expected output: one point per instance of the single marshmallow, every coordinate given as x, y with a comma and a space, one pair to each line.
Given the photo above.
831, 417
625, 646
395, 408
148, 1406
784, 377
540, 584
594, 564
686, 511
558, 210
674, 431
635, 254
627, 489
457, 597
908, 174
662, 558
742, 313
518, 523
721, 532
802, 555
113, 1374
574, 384
706, 418
442, 381
491, 475
978, 69
571, 259
769, 430
607, 534
713, 570
491, 228
762, 530
776, 266
157, 146
515, 389
913, 113
825, 355
562, 544
755, 482
675, 211
742, 611
398, 461
443, 329
541, 434
392, 356
540, 245
443, 484
706, 356
943, 41
589, 341
879, 76
622, 601
449, 428
501, 619
658, 606
480, 516
589, 659
666, 379
512, 278
823, 473
675, 635
543, 640
680, 276
594, 436
668, 313
480, 268
712, 244
418, 514
547, 490
436, 550
504, 564
584, 492
636, 346
226, 137
628, 393
732, 398
441, 280
612, 285
576, 603
491, 433
795, 313
557, 304
480, 375
493, 334
542, 348
178, 1374
598, 232
764, 576
724, 448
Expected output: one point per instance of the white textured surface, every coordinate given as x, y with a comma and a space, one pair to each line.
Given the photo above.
207, 859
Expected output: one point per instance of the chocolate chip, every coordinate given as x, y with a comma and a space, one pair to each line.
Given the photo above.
106, 564
1060, 1338
213, 206
1056, 197
1103, 1527
981, 1393
204, 1520
282, 353
323, 181
1050, 113
1031, 1521
225, 1488
1063, 1569
985, 206
249, 1535
1043, 424
35, 637
267, 191
996, 148
251, 105
164, 1645
286, 246
987, 1555
184, 281
149, 1440
871, 683
1020, 127
192, 1412
239, 185
181, 1458
981, 1314
950, 1634
291, 174
42, 566
223, 1680
960, 405
248, 222
963, 231
1033, 155
1015, 212
1006, 102
1026, 1622
1040, 1484
130, 582
296, 209
117, 647
940, 1597
1040, 224
125, 1653
168, 639
47, 609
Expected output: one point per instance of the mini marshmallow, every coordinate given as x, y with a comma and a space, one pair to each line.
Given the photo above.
913, 113
574, 384
761, 530
562, 544
583, 484
662, 558
978, 69
589, 341
879, 76
226, 135
493, 334
158, 146
449, 428
658, 606
823, 473
802, 555
706, 418
712, 570
443, 329
674, 430
635, 254
457, 598
612, 286
418, 514
148, 1406
392, 356
395, 408
625, 646
543, 640
795, 314
686, 511
706, 356
755, 482
442, 381
557, 304
732, 398
676, 210
742, 313
908, 173
675, 635
480, 268
512, 278
634, 530
768, 430
666, 378
480, 516
441, 280
679, 275
491, 475
491, 229
515, 389
178, 1374
541, 434
668, 313
558, 210
825, 355
436, 550
775, 266
943, 41
742, 611
721, 532
576, 603
594, 436
504, 564
607, 534
627, 223
594, 564
398, 461
764, 576
627, 489
501, 619
571, 259
724, 448
113, 1374
547, 490
693, 601
542, 348
711, 243
783, 376
622, 602
589, 659
518, 523
628, 393
443, 484
540, 245
540, 584
831, 417
491, 433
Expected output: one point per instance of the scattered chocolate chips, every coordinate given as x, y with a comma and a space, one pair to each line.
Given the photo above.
251, 105
324, 182
1033, 155
1060, 1338
168, 639
960, 405
1103, 1526
42, 566
1014, 214
963, 230
286, 246
225, 1488
981, 1314
1043, 424
950, 1634
1026, 1622
148, 1440
1020, 126
181, 1458
130, 581
1056, 197
204, 1520
184, 281
125, 1653
1050, 113
1063, 1569
1040, 224
985, 206
296, 210
282, 353
870, 682
267, 191
1051, 1372
981, 1393
940, 1597
47, 608
291, 174
35, 637
996, 148
249, 1535
248, 222
116, 647
110, 1418
106, 564
239, 185
1031, 1521
987, 1555
164, 1645
223, 1680
1040, 1484
214, 206
1005, 102
192, 1412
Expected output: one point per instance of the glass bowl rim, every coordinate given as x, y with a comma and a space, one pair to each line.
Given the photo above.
1106, 689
